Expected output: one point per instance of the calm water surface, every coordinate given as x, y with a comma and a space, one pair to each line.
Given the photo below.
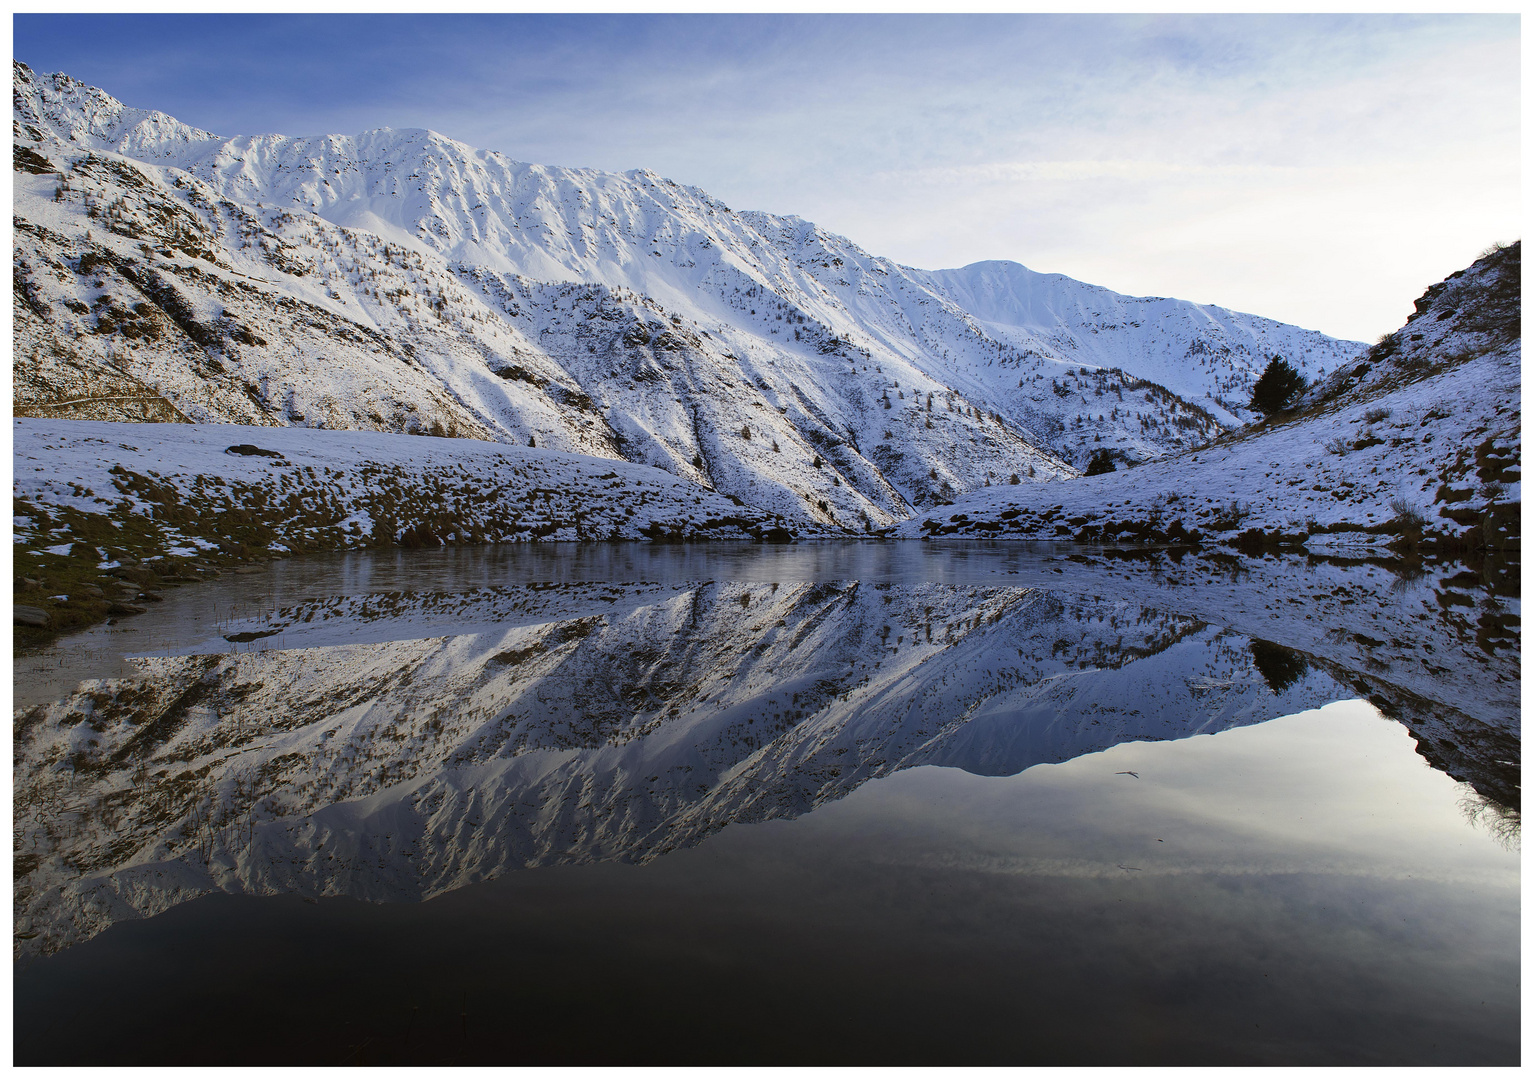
821, 804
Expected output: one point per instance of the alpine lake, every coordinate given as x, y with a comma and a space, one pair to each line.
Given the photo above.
877, 803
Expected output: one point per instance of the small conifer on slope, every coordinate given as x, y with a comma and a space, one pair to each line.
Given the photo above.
1278, 387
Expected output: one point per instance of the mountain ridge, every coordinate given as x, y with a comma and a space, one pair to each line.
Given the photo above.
470, 264
1418, 439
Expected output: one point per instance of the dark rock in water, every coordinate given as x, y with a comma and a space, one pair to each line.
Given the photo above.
30, 616
250, 635
248, 450
124, 609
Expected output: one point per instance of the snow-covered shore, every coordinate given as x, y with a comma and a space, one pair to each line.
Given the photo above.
326, 490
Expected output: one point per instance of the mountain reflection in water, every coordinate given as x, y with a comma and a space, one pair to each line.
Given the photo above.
398, 743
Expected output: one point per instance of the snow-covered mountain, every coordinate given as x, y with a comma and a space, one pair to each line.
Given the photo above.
1421, 435
400, 281
1204, 354
572, 722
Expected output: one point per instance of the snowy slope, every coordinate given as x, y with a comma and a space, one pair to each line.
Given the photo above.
1207, 355
182, 491
580, 722
398, 280
1195, 350
1420, 435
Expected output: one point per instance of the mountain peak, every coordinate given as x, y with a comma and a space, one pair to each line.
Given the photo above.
80, 113
406, 281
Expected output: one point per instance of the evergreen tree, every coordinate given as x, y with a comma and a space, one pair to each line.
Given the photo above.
1278, 387
1102, 462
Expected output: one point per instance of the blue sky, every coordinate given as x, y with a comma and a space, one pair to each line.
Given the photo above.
1317, 169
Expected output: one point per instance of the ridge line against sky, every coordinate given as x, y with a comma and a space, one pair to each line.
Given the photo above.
1318, 169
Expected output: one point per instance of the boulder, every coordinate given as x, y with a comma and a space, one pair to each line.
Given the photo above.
31, 616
